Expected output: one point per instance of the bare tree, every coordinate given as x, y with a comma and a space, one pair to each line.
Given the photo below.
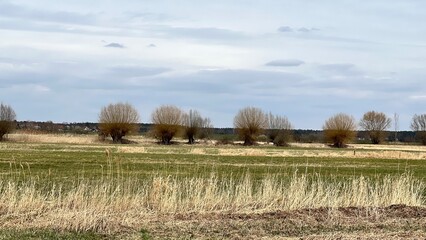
7, 120
375, 123
194, 125
418, 124
396, 125
339, 129
249, 123
206, 129
118, 120
167, 121
279, 130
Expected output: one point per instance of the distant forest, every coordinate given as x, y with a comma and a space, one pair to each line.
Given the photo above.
299, 135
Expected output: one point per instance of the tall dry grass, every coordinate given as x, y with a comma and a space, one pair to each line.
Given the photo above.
53, 138
115, 202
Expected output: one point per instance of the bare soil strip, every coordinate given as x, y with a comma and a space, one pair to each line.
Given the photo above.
393, 222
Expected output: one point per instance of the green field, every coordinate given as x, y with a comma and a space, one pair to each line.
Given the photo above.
59, 162
66, 165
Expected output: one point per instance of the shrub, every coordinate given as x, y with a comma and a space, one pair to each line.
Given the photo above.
225, 139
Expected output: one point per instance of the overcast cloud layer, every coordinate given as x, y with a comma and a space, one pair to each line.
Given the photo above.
62, 61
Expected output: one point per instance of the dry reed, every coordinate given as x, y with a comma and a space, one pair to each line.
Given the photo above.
115, 201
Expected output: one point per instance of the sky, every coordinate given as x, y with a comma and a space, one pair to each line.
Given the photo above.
63, 61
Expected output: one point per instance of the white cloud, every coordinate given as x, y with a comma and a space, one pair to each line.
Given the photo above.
40, 88
418, 97
211, 55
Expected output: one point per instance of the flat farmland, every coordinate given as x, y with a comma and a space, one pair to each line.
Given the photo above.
68, 186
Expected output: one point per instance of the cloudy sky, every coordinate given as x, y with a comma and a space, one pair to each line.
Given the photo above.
63, 60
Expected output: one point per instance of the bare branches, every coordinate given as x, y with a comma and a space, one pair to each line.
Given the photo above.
279, 130
249, 123
375, 123
118, 120
7, 120
339, 129
167, 121
195, 125
418, 124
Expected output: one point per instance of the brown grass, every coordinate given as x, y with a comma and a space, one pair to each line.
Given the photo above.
297, 150
53, 138
113, 205
222, 208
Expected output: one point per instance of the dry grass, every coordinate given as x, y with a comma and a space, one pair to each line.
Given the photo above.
53, 138
217, 207
297, 150
115, 204
68, 138
212, 207
326, 153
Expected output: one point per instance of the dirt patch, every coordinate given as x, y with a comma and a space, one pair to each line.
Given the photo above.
393, 222
393, 211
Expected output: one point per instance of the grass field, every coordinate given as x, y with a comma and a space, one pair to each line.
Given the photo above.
67, 187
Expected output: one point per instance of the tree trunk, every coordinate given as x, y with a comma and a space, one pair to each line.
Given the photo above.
166, 140
339, 144
191, 140
117, 138
249, 141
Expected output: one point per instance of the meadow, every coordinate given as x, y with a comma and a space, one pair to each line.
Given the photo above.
73, 186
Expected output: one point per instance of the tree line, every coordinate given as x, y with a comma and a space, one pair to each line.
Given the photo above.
120, 119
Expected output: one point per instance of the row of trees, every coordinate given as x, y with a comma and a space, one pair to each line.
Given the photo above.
117, 120
250, 122
170, 120
341, 128
120, 119
338, 130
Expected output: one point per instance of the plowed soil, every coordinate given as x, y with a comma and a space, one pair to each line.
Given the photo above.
393, 222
